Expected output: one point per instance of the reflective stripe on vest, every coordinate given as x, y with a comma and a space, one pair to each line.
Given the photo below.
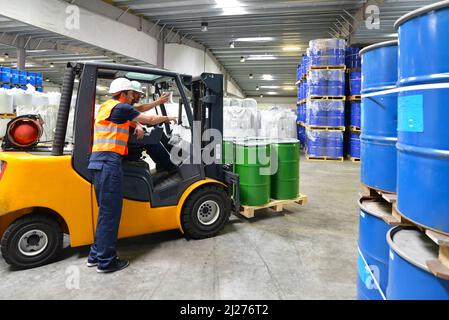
109, 136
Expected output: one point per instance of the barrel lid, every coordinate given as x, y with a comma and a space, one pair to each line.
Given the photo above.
252, 143
379, 45
413, 246
284, 140
375, 207
420, 12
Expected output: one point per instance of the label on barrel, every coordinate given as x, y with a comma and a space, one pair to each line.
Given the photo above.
410, 113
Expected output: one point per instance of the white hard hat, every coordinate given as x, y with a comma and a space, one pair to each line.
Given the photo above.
137, 87
119, 85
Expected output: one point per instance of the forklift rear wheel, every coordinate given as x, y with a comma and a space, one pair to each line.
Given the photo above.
32, 241
205, 212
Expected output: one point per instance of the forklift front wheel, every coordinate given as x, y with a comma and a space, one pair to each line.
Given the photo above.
32, 241
205, 212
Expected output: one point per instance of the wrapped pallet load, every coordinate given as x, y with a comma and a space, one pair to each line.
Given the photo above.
249, 103
278, 123
240, 122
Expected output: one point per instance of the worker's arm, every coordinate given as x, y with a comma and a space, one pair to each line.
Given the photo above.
153, 120
148, 106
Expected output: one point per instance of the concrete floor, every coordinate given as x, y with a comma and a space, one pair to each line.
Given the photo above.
308, 252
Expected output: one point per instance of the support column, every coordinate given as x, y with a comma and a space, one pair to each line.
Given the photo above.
161, 52
21, 54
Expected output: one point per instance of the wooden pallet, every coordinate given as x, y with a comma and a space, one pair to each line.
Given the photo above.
367, 191
276, 205
439, 267
355, 129
324, 128
354, 159
355, 98
300, 123
349, 70
319, 158
337, 67
337, 98
7, 115
395, 218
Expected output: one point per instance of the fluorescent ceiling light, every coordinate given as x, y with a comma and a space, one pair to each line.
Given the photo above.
230, 7
291, 48
267, 77
270, 87
37, 51
262, 57
289, 88
271, 93
392, 35
255, 39
2, 59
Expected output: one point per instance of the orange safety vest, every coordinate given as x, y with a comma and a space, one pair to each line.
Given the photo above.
109, 136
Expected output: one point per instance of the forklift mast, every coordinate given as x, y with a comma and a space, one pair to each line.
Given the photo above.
207, 104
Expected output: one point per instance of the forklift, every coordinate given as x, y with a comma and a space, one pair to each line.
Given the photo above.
47, 191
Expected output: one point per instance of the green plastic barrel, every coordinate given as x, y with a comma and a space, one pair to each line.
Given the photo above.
228, 150
253, 166
285, 180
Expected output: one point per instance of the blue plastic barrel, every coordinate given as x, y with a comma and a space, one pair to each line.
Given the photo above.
408, 275
335, 113
328, 52
355, 113
15, 76
326, 83
22, 77
5, 75
423, 130
334, 144
379, 116
39, 79
355, 83
354, 145
31, 78
373, 248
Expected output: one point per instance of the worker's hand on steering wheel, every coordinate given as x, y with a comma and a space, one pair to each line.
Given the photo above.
139, 131
164, 98
172, 119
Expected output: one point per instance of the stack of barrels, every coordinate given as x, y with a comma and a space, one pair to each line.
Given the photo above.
353, 103
268, 168
325, 101
12, 78
405, 151
301, 84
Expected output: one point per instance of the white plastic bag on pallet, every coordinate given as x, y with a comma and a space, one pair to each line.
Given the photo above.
278, 123
240, 122
6, 101
249, 103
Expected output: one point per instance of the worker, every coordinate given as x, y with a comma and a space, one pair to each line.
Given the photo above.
158, 152
111, 133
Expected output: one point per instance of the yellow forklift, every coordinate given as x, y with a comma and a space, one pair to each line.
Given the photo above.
47, 191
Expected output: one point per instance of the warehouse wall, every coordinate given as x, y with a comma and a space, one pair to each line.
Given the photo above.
188, 60
282, 102
193, 61
234, 91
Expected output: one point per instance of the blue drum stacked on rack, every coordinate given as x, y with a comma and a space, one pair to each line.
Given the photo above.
379, 116
410, 260
419, 263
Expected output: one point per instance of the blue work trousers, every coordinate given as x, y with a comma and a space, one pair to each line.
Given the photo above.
108, 183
